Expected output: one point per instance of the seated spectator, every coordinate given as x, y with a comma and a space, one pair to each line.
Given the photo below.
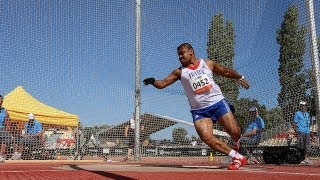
194, 141
252, 134
31, 136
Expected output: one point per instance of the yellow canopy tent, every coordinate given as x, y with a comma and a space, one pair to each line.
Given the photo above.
19, 104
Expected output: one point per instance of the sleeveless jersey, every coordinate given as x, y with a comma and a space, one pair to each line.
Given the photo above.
200, 88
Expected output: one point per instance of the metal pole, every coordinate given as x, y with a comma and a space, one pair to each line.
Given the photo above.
77, 152
137, 84
314, 54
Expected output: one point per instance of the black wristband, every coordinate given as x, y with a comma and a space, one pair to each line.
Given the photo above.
149, 81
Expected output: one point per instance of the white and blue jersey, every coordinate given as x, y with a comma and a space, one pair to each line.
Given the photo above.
205, 97
199, 86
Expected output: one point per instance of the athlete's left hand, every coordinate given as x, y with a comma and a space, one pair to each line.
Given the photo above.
243, 82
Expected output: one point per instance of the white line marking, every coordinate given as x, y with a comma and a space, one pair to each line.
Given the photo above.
205, 167
35, 171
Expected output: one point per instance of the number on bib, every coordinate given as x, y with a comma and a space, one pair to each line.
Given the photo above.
201, 84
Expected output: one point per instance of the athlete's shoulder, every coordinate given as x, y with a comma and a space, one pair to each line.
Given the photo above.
210, 63
179, 69
176, 73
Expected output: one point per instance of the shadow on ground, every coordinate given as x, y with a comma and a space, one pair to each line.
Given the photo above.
103, 173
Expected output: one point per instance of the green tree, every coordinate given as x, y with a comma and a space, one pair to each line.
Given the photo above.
291, 38
274, 118
179, 135
242, 107
220, 47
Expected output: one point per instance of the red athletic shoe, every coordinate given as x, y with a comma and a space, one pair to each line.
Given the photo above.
237, 163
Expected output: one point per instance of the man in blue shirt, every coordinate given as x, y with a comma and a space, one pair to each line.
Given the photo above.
257, 118
252, 134
33, 128
301, 126
31, 135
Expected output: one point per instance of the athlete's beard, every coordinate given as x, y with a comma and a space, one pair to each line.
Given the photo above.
184, 62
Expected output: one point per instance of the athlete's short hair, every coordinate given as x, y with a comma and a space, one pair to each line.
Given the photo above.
185, 45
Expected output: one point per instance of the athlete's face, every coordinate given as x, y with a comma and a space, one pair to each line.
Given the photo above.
185, 55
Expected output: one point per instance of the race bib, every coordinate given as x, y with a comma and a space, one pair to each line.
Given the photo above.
201, 84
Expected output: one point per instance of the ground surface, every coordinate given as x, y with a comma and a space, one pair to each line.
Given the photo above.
150, 170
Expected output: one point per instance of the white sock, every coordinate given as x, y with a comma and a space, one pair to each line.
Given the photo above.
235, 154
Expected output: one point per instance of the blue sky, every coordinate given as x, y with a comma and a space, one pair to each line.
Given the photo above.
79, 56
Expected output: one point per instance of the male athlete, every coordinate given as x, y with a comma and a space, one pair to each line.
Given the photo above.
206, 99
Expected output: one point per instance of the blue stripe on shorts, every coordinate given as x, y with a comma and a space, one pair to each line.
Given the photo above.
214, 111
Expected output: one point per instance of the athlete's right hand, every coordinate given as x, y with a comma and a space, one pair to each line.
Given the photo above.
148, 81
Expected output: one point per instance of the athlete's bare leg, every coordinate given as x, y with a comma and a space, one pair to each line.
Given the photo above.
204, 129
229, 124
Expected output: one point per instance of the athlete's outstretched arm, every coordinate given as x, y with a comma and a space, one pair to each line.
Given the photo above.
160, 84
228, 73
